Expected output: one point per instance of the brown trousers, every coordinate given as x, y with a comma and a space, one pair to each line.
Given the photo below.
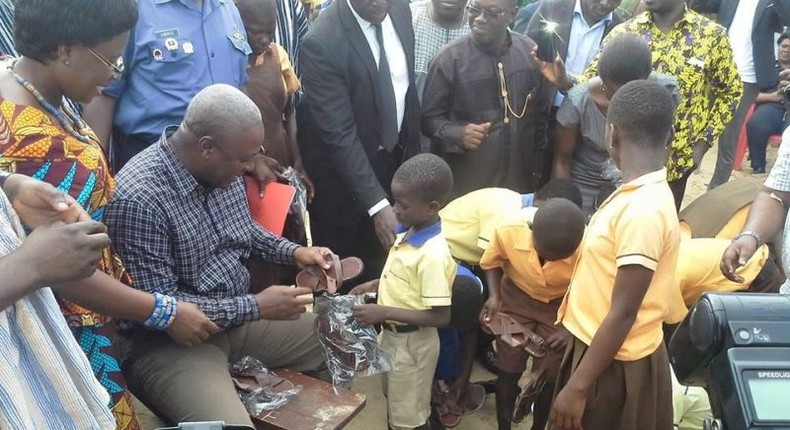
628, 395
181, 384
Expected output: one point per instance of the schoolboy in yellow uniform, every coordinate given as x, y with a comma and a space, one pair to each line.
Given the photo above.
414, 291
469, 221
537, 258
615, 373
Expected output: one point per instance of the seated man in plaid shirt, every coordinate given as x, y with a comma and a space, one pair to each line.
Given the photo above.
181, 223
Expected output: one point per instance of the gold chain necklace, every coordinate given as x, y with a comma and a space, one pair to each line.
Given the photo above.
506, 106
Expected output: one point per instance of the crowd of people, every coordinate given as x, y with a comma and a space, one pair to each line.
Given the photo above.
497, 166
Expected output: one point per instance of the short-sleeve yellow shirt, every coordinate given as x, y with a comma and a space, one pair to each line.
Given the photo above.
419, 271
511, 249
636, 225
699, 272
468, 222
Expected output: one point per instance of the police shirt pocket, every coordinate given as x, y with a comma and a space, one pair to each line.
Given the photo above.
170, 50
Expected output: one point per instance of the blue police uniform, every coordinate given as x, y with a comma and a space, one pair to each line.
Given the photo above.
176, 49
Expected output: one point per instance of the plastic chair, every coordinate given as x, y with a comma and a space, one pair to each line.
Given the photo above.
743, 141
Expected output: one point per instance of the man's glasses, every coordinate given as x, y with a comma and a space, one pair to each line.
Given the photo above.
490, 15
117, 68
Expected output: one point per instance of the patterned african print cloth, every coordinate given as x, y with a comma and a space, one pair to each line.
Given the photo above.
429, 38
34, 144
45, 380
697, 52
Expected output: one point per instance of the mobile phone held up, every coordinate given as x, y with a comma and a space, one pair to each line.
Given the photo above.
547, 48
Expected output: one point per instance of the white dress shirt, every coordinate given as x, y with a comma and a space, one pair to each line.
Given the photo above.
399, 69
740, 33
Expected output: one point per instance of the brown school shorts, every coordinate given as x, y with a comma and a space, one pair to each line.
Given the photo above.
534, 315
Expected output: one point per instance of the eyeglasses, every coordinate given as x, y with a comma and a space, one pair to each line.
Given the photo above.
117, 68
490, 15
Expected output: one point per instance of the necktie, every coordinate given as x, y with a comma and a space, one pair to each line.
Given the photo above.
389, 114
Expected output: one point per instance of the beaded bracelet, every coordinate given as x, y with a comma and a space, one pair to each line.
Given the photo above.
164, 313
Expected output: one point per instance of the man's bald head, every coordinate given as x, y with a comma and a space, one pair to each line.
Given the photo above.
219, 111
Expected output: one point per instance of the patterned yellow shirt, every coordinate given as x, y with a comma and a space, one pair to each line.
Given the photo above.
697, 52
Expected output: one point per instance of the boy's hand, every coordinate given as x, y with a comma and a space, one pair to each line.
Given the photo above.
558, 341
367, 287
265, 170
369, 314
568, 409
490, 308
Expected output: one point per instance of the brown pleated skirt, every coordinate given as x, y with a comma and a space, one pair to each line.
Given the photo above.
629, 395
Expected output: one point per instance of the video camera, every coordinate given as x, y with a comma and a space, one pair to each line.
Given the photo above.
737, 346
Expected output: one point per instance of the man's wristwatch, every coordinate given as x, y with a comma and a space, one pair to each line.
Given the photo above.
751, 234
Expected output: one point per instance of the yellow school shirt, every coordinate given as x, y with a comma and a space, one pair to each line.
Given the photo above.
699, 271
419, 271
638, 225
511, 250
468, 222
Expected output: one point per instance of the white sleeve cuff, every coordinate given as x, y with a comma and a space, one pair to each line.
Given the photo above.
378, 206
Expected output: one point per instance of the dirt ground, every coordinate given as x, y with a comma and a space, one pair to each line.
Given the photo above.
374, 415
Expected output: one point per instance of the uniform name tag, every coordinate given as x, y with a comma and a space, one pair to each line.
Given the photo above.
164, 34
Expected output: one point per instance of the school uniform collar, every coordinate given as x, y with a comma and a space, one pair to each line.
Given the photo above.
527, 200
649, 178
419, 237
464, 271
524, 239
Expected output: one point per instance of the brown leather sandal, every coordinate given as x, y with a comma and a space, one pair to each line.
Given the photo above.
516, 335
330, 280
449, 411
529, 395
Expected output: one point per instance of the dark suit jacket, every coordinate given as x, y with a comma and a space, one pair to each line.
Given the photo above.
561, 12
770, 18
339, 126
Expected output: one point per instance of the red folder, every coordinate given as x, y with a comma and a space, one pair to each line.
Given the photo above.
271, 210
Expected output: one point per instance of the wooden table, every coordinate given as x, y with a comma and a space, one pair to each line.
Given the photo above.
316, 407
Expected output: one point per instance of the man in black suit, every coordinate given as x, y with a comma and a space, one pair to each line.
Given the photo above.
358, 121
581, 27
751, 25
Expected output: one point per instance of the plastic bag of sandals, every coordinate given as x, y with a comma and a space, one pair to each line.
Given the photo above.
295, 223
259, 389
351, 349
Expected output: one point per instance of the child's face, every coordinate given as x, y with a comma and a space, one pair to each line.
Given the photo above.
410, 210
260, 25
